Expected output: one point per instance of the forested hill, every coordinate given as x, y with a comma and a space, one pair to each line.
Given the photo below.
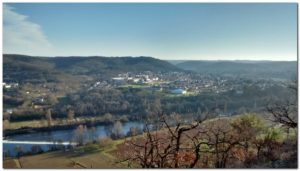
21, 67
251, 69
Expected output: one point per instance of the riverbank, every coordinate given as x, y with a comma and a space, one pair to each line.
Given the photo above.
59, 125
89, 134
26, 130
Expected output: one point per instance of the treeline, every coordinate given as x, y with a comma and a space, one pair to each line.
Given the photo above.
140, 103
24, 69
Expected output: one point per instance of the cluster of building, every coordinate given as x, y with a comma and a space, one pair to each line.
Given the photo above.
140, 78
181, 83
100, 84
10, 85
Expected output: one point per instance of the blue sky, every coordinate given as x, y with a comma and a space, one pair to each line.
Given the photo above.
162, 30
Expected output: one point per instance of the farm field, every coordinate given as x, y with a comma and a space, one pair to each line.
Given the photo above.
89, 156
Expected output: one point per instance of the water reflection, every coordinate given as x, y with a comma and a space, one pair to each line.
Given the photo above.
89, 134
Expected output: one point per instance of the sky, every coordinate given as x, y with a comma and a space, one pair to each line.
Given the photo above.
170, 31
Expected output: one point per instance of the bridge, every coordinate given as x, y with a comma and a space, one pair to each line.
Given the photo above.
38, 142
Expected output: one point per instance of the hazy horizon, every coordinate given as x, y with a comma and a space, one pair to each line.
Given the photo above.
251, 60
167, 31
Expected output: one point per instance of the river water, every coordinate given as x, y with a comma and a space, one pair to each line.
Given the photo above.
90, 134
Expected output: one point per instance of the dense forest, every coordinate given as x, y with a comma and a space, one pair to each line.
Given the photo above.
138, 103
54, 69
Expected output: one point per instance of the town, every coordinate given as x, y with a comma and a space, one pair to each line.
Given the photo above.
175, 84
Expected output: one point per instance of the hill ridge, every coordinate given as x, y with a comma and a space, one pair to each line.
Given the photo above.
15, 66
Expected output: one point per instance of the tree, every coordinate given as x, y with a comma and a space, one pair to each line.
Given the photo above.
222, 140
6, 124
117, 130
49, 117
285, 112
165, 149
108, 117
71, 114
80, 133
268, 146
242, 141
247, 127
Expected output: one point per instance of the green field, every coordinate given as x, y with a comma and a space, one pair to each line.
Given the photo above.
133, 86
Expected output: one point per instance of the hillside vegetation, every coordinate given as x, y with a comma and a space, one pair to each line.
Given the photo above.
250, 69
23, 68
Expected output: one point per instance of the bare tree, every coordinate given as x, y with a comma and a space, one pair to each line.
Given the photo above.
71, 114
218, 143
80, 133
49, 117
222, 140
117, 130
285, 112
6, 124
166, 148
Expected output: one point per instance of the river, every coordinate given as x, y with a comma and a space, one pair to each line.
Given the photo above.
44, 139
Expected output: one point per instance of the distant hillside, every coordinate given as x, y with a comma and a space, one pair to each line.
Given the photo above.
251, 69
20, 67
